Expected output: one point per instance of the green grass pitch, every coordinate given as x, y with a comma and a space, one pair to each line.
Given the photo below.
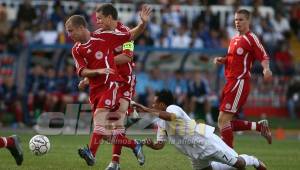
281, 155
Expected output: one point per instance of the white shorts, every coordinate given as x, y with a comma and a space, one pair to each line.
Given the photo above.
218, 152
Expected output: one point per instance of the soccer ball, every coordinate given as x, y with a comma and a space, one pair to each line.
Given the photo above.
39, 145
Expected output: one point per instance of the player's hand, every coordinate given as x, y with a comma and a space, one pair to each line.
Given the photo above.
219, 60
145, 13
148, 142
105, 71
83, 83
140, 107
267, 74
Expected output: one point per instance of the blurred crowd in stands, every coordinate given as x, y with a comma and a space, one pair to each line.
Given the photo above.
49, 88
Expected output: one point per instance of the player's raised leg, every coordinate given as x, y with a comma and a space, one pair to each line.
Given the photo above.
261, 126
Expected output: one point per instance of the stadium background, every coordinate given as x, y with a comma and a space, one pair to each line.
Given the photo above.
37, 72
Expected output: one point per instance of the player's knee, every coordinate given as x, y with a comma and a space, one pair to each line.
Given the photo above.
222, 122
240, 164
124, 104
224, 119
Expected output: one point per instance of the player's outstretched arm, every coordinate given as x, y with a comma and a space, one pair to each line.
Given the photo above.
95, 72
156, 146
145, 17
161, 114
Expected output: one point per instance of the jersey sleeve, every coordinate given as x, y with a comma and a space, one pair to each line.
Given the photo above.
161, 131
116, 38
80, 63
259, 51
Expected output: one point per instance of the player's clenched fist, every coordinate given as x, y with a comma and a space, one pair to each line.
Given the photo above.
219, 60
267, 74
83, 83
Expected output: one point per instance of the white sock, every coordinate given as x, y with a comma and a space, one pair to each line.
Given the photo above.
253, 125
208, 118
250, 160
220, 166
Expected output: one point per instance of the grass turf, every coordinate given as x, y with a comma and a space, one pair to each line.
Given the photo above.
63, 155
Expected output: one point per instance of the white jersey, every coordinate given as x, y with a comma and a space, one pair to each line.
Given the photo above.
187, 136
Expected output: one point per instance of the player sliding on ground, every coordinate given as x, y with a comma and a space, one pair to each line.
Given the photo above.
198, 141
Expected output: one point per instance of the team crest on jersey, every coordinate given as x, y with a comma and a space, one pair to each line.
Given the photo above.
228, 106
99, 55
126, 93
107, 102
240, 51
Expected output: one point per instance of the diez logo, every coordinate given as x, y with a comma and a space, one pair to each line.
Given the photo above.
99, 55
78, 121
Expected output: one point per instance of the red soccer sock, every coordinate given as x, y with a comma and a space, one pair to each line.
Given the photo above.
242, 125
227, 135
6, 142
117, 149
116, 152
96, 139
122, 140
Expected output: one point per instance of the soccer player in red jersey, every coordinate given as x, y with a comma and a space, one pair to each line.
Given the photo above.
13, 144
243, 50
93, 56
107, 19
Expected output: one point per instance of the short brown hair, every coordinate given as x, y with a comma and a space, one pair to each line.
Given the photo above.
108, 9
77, 20
245, 12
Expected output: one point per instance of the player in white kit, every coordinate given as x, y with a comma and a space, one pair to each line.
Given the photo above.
197, 141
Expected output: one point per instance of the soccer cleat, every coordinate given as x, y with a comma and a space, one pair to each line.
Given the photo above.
86, 154
265, 130
113, 166
16, 150
261, 166
138, 152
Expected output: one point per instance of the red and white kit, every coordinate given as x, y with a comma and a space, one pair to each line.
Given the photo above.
98, 53
242, 52
127, 89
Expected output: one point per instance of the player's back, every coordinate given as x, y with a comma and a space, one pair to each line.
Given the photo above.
184, 132
183, 127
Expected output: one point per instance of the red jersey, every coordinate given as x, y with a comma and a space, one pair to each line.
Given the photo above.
242, 52
97, 53
125, 70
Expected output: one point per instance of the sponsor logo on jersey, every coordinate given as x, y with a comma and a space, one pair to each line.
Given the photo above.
99, 55
107, 102
240, 51
89, 51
